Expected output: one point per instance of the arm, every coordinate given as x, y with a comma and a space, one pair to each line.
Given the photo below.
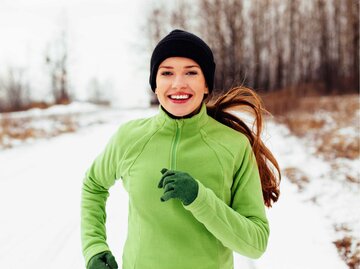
242, 226
98, 179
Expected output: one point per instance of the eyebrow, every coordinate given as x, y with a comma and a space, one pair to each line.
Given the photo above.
170, 67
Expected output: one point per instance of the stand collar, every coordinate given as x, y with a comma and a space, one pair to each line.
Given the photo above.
191, 125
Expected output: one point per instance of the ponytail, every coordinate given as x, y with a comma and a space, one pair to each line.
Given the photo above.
242, 99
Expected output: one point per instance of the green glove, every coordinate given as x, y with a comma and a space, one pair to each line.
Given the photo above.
178, 185
103, 260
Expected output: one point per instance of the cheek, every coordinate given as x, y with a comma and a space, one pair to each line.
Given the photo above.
161, 85
159, 91
160, 94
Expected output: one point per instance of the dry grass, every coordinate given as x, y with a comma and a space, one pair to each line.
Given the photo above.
349, 251
326, 121
332, 125
300, 126
12, 130
24, 107
296, 176
339, 146
280, 102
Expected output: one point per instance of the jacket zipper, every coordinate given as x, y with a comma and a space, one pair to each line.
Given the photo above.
179, 124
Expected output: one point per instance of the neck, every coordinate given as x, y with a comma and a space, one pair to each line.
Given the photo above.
196, 111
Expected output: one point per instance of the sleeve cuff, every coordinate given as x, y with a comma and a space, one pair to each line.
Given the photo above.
199, 203
95, 250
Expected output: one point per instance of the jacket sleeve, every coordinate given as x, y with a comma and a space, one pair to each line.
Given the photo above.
98, 179
242, 226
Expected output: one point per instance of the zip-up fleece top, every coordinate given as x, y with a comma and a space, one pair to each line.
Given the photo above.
228, 213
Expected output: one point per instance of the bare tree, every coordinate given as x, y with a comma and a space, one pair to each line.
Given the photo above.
156, 24
234, 27
212, 31
155, 29
292, 75
325, 70
274, 44
15, 90
279, 47
256, 13
352, 13
181, 19
57, 61
221, 24
2, 96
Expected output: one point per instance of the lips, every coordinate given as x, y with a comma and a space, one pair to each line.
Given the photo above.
180, 97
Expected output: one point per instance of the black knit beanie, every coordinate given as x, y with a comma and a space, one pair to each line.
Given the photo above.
180, 43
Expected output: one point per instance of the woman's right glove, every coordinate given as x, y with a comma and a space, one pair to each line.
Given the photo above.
178, 185
103, 260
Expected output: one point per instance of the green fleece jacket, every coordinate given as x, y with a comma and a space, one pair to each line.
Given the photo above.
227, 215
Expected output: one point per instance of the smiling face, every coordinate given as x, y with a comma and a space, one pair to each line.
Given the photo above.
180, 86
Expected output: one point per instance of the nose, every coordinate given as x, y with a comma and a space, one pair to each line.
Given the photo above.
179, 82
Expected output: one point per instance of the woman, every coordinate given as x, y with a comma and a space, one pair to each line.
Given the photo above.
196, 175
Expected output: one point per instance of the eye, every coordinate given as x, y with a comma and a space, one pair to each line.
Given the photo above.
166, 73
192, 73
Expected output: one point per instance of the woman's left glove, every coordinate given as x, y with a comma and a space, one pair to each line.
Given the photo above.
179, 185
103, 260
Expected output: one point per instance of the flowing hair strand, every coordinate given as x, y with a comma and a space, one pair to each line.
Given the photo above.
244, 101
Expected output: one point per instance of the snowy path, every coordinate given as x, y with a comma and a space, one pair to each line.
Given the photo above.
40, 188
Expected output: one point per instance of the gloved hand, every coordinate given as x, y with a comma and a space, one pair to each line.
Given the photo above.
103, 260
178, 185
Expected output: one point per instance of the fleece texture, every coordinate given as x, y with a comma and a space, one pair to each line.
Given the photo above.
227, 215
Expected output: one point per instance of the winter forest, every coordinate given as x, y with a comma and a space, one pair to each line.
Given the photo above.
304, 47
72, 72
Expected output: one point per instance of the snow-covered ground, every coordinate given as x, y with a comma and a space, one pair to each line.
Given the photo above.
18, 128
40, 186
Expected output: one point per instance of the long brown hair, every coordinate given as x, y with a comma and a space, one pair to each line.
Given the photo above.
245, 100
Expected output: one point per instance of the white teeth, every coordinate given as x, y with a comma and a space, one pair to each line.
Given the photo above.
178, 97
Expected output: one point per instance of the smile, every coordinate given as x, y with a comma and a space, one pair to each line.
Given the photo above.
180, 97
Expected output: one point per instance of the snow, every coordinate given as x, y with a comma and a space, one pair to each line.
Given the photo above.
299, 238
73, 108
46, 123
40, 186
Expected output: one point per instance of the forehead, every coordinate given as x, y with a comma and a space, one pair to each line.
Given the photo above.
178, 61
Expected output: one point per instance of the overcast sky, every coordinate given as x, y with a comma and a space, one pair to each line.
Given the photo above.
104, 37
